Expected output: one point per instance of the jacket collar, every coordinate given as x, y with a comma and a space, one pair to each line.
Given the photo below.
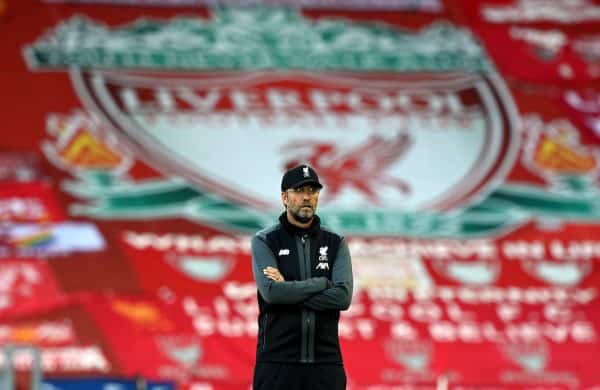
312, 230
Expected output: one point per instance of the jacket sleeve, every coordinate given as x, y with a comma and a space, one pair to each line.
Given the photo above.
288, 292
339, 295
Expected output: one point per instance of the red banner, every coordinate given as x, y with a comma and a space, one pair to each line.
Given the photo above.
458, 147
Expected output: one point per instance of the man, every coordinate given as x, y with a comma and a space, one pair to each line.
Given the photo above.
303, 274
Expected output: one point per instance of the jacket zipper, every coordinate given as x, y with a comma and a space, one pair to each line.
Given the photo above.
308, 323
308, 339
264, 346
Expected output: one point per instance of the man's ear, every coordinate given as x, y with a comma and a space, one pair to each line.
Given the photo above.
284, 198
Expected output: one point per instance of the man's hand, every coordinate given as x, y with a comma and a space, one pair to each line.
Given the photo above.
274, 274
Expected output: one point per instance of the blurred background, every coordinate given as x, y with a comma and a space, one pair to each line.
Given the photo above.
143, 143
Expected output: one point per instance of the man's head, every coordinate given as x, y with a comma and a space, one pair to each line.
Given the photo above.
300, 188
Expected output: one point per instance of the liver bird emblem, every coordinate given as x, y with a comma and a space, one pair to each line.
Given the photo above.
362, 168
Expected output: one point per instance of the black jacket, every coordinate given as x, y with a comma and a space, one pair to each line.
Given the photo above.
298, 319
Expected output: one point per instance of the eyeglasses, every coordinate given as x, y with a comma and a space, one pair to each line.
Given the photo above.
309, 190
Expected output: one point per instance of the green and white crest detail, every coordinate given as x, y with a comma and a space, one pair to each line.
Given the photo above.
384, 145
255, 38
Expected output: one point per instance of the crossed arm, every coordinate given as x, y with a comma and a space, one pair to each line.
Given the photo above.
317, 293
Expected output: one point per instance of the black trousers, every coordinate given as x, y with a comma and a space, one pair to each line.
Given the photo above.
298, 376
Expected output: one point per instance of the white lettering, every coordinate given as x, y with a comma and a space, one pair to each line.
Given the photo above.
183, 243
474, 332
204, 104
403, 331
508, 311
387, 311
583, 332
284, 99
62, 359
437, 249
239, 291
245, 100
165, 100
557, 312
425, 312
524, 250
550, 11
